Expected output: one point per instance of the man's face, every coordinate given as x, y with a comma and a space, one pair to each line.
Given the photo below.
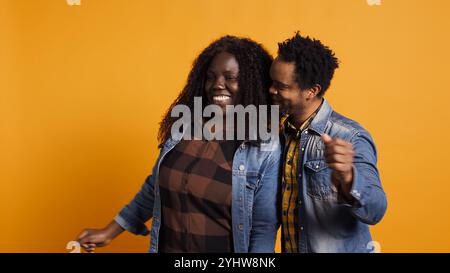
285, 91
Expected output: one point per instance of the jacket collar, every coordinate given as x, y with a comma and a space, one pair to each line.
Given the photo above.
320, 121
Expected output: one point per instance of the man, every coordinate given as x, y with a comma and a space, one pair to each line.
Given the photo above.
331, 190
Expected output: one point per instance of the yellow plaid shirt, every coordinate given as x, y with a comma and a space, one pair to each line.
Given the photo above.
289, 216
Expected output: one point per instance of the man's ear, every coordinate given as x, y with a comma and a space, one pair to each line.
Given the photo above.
314, 91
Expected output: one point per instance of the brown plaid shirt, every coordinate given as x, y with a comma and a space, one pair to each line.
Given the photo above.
195, 185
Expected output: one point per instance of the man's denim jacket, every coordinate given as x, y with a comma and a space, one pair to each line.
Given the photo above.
327, 223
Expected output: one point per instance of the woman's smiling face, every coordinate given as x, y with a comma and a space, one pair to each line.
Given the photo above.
221, 87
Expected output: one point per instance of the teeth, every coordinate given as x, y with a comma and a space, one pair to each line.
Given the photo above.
220, 98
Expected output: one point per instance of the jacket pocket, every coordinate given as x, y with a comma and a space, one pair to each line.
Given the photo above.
318, 179
251, 180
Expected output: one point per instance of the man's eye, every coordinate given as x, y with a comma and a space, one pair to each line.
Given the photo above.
281, 87
230, 78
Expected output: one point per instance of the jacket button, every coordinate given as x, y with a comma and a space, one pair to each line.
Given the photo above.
241, 227
241, 167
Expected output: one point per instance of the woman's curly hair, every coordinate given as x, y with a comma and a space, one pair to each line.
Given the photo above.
253, 80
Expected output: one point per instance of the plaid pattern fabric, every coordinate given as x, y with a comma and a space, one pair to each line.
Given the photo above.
195, 186
289, 217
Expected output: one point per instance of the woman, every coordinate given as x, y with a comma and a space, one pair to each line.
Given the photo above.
209, 196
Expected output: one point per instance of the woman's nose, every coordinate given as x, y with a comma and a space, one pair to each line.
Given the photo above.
219, 83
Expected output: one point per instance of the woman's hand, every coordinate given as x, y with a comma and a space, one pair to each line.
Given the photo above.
89, 239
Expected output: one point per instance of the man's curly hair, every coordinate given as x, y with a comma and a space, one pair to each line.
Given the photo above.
253, 79
314, 62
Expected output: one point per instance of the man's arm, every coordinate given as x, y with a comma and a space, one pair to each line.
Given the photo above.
355, 174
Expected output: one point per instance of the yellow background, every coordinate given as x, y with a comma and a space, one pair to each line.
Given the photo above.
82, 89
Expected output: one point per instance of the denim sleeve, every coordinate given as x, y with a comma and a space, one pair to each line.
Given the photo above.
133, 216
366, 189
265, 219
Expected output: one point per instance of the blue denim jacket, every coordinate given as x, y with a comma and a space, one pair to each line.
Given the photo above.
327, 222
254, 208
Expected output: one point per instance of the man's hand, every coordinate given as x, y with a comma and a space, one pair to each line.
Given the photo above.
339, 156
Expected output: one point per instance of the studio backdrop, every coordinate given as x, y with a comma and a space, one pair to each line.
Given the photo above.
84, 85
